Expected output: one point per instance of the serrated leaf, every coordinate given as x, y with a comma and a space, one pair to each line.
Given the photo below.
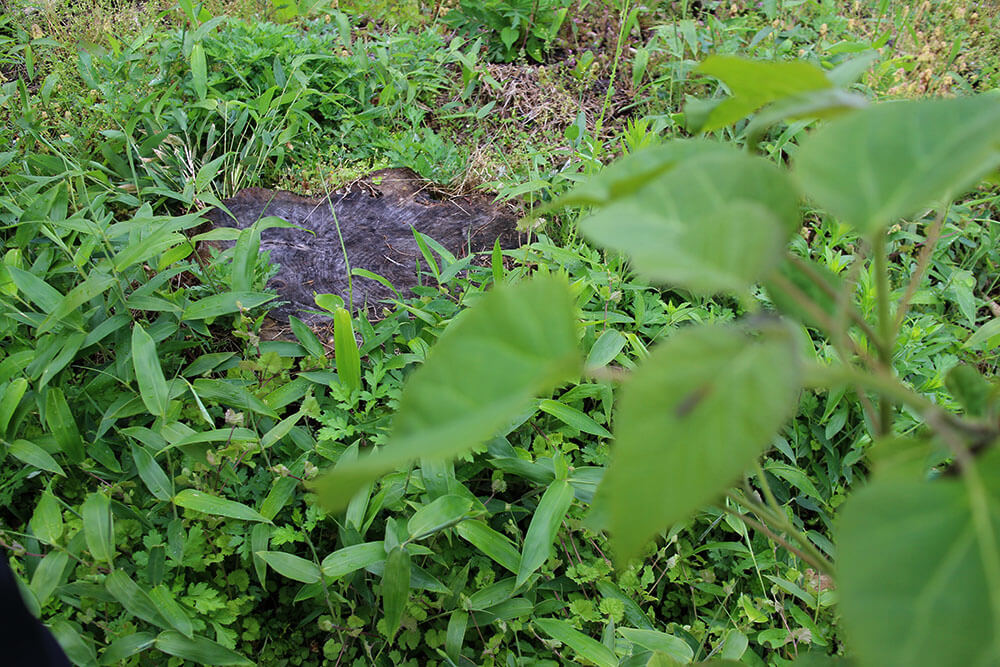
543, 528
705, 404
889, 161
586, 647
209, 504
485, 369
718, 223
291, 566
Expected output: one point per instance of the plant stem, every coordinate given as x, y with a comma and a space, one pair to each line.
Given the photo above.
886, 329
923, 261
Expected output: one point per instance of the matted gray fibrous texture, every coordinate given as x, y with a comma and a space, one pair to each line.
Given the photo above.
376, 217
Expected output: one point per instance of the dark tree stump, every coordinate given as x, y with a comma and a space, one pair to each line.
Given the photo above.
376, 217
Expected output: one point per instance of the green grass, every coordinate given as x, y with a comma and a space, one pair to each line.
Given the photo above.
113, 138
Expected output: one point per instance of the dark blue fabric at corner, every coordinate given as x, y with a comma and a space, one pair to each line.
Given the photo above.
24, 641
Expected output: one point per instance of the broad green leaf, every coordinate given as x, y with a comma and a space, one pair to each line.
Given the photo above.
395, 589
209, 504
48, 575
224, 304
152, 474
60, 421
495, 545
634, 615
280, 430
754, 83
984, 333
278, 496
586, 647
652, 640
353, 558
231, 395
199, 71
455, 634
95, 284
705, 404
11, 398
47, 521
573, 417
33, 455
437, 515
171, 610
127, 646
913, 583
291, 566
543, 528
307, 338
346, 350
889, 161
152, 384
98, 527
632, 172
605, 349
514, 343
260, 537
202, 180
199, 650
717, 223
80, 651
135, 600
35, 289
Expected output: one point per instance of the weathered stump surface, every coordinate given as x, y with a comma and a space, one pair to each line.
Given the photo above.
376, 216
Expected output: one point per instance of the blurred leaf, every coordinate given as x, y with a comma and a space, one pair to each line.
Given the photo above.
152, 384
984, 334
98, 528
585, 647
969, 388
543, 528
804, 274
717, 224
395, 589
514, 343
291, 566
889, 161
702, 408
917, 570
754, 83
208, 504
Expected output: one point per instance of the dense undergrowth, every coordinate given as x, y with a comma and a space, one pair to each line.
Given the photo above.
156, 446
